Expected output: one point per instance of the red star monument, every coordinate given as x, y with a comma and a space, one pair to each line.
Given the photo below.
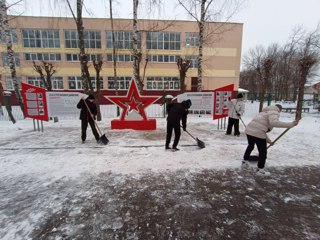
133, 106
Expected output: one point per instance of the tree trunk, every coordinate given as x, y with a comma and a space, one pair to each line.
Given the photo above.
5, 28
114, 56
183, 67
136, 54
9, 109
201, 38
98, 67
85, 75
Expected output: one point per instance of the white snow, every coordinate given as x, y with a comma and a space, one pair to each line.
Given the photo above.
57, 152
58, 155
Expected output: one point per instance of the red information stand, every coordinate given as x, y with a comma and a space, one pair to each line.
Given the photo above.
221, 97
133, 110
35, 102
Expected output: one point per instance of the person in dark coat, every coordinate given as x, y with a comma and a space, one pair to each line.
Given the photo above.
176, 112
86, 117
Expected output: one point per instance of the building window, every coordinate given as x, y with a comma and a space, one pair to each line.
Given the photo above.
13, 34
123, 40
122, 83
94, 83
53, 57
75, 57
120, 58
95, 57
5, 60
194, 61
75, 83
163, 83
57, 83
163, 58
72, 57
192, 39
92, 39
33, 38
35, 81
9, 83
163, 40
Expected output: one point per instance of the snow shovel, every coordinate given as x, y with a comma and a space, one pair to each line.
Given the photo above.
199, 142
234, 107
103, 137
284, 132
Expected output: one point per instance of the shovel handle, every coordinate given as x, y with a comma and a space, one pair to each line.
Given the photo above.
91, 115
284, 132
189, 134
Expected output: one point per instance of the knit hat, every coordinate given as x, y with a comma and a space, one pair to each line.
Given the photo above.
91, 96
239, 95
186, 103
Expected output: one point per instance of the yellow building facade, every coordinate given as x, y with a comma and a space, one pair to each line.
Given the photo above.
162, 42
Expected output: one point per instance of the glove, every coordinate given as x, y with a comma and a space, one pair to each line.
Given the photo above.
238, 114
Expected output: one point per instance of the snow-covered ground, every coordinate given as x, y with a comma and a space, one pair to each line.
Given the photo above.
36, 152
55, 160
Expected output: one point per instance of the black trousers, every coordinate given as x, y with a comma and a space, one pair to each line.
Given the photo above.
84, 126
262, 149
233, 122
177, 134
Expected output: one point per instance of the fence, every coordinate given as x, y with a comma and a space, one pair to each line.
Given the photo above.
107, 111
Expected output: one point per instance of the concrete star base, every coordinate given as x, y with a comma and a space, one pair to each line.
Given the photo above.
149, 124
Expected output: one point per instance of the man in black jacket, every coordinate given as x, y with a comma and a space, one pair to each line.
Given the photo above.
87, 116
176, 112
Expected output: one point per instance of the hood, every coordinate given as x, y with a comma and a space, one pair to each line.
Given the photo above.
270, 108
186, 103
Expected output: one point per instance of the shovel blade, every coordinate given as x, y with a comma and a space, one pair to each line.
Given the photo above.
104, 139
200, 143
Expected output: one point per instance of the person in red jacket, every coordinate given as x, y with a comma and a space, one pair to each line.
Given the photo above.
176, 112
87, 116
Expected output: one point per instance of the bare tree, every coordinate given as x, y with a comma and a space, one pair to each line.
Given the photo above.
98, 67
46, 70
85, 75
4, 28
137, 53
114, 53
308, 59
204, 11
8, 107
248, 80
261, 61
183, 65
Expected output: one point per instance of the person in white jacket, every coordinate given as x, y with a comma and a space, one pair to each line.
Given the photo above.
236, 109
257, 129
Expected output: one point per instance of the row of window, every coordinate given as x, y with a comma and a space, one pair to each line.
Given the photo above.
122, 83
70, 57
36, 38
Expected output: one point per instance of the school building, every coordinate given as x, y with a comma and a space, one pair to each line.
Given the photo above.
55, 40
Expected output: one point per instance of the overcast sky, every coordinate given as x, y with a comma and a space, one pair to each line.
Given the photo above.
265, 21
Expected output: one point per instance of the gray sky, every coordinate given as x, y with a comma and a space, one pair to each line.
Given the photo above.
265, 21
